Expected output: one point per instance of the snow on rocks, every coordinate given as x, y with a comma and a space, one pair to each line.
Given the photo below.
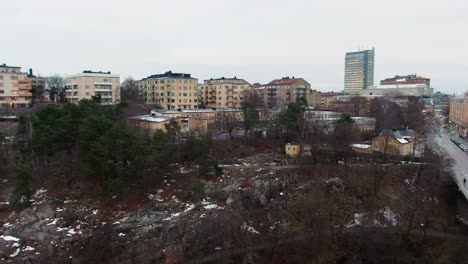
249, 229
17, 251
390, 217
9, 238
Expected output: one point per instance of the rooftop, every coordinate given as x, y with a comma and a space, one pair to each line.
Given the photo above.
157, 119
169, 74
402, 135
96, 72
6, 66
284, 81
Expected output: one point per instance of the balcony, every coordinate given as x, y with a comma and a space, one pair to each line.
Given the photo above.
103, 83
103, 89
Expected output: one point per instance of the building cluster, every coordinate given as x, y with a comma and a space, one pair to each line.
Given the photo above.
174, 91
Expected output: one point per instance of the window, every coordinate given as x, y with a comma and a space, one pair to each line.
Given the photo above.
13, 77
1, 77
87, 86
2, 91
87, 93
172, 100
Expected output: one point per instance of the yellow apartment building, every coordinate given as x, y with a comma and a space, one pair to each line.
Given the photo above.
223, 92
170, 90
15, 88
89, 83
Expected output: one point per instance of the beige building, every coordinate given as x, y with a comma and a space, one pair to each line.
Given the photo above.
189, 126
15, 88
170, 90
223, 92
281, 92
89, 83
459, 114
314, 98
401, 142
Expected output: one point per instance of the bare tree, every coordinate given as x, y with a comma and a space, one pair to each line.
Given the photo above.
358, 105
251, 101
57, 89
129, 90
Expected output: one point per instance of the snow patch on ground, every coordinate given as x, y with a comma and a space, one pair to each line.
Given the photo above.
9, 238
15, 253
249, 229
390, 217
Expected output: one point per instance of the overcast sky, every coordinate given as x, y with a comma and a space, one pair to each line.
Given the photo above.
258, 40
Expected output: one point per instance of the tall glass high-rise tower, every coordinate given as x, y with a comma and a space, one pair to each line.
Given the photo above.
359, 70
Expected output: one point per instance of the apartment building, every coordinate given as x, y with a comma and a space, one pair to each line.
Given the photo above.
326, 99
281, 92
224, 92
89, 83
459, 114
15, 88
170, 90
314, 98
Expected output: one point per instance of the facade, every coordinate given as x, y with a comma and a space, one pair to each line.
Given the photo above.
459, 114
15, 88
170, 90
416, 90
261, 91
399, 142
89, 83
281, 92
38, 82
359, 70
326, 99
398, 86
406, 80
149, 124
224, 92
441, 103
362, 148
314, 98
294, 150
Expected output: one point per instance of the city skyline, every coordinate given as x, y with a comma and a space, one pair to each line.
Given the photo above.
137, 39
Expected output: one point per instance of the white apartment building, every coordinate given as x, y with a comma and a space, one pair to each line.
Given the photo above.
89, 83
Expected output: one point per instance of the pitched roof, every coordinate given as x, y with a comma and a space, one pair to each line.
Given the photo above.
402, 135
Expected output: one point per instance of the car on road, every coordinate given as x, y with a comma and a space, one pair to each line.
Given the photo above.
455, 141
463, 147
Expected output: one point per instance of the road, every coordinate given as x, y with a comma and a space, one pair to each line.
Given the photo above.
460, 158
